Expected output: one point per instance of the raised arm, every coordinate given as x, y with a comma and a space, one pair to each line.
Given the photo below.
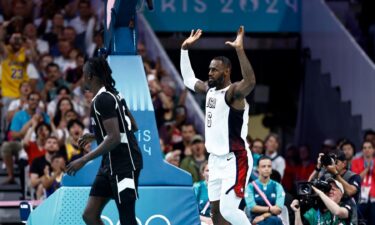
187, 72
243, 88
332, 206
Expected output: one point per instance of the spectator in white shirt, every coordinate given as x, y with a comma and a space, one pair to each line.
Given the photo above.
272, 143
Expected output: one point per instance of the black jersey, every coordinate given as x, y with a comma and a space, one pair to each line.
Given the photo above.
126, 156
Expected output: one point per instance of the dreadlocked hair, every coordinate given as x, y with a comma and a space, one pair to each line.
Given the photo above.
99, 67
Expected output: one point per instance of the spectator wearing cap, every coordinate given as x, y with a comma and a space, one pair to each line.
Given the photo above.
350, 181
336, 210
192, 163
328, 146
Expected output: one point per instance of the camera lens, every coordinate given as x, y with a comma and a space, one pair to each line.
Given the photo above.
304, 189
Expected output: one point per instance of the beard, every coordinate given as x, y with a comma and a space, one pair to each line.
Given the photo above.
217, 82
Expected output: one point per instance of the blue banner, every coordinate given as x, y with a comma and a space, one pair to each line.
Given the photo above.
226, 15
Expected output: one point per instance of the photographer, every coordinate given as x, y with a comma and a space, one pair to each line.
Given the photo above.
335, 212
336, 167
315, 174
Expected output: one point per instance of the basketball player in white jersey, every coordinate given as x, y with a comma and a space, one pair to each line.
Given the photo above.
230, 160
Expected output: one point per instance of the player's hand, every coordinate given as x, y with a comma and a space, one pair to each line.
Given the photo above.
85, 139
194, 36
238, 43
74, 166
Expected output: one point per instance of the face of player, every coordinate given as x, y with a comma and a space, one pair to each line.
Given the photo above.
216, 74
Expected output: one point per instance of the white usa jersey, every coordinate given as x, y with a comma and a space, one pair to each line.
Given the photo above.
226, 127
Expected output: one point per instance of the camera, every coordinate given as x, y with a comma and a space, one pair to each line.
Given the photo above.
308, 198
304, 188
328, 159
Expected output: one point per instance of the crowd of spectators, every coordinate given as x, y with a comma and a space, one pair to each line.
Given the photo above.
44, 105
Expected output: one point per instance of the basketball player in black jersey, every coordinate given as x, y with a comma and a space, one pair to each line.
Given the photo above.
114, 128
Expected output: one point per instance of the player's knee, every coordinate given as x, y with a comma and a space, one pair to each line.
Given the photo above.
225, 211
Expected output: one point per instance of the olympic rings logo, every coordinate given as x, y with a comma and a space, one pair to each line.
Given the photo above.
148, 221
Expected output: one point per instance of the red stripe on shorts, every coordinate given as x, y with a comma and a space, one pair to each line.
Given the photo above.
241, 175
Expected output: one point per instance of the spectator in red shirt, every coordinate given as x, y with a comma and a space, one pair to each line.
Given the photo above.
35, 148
